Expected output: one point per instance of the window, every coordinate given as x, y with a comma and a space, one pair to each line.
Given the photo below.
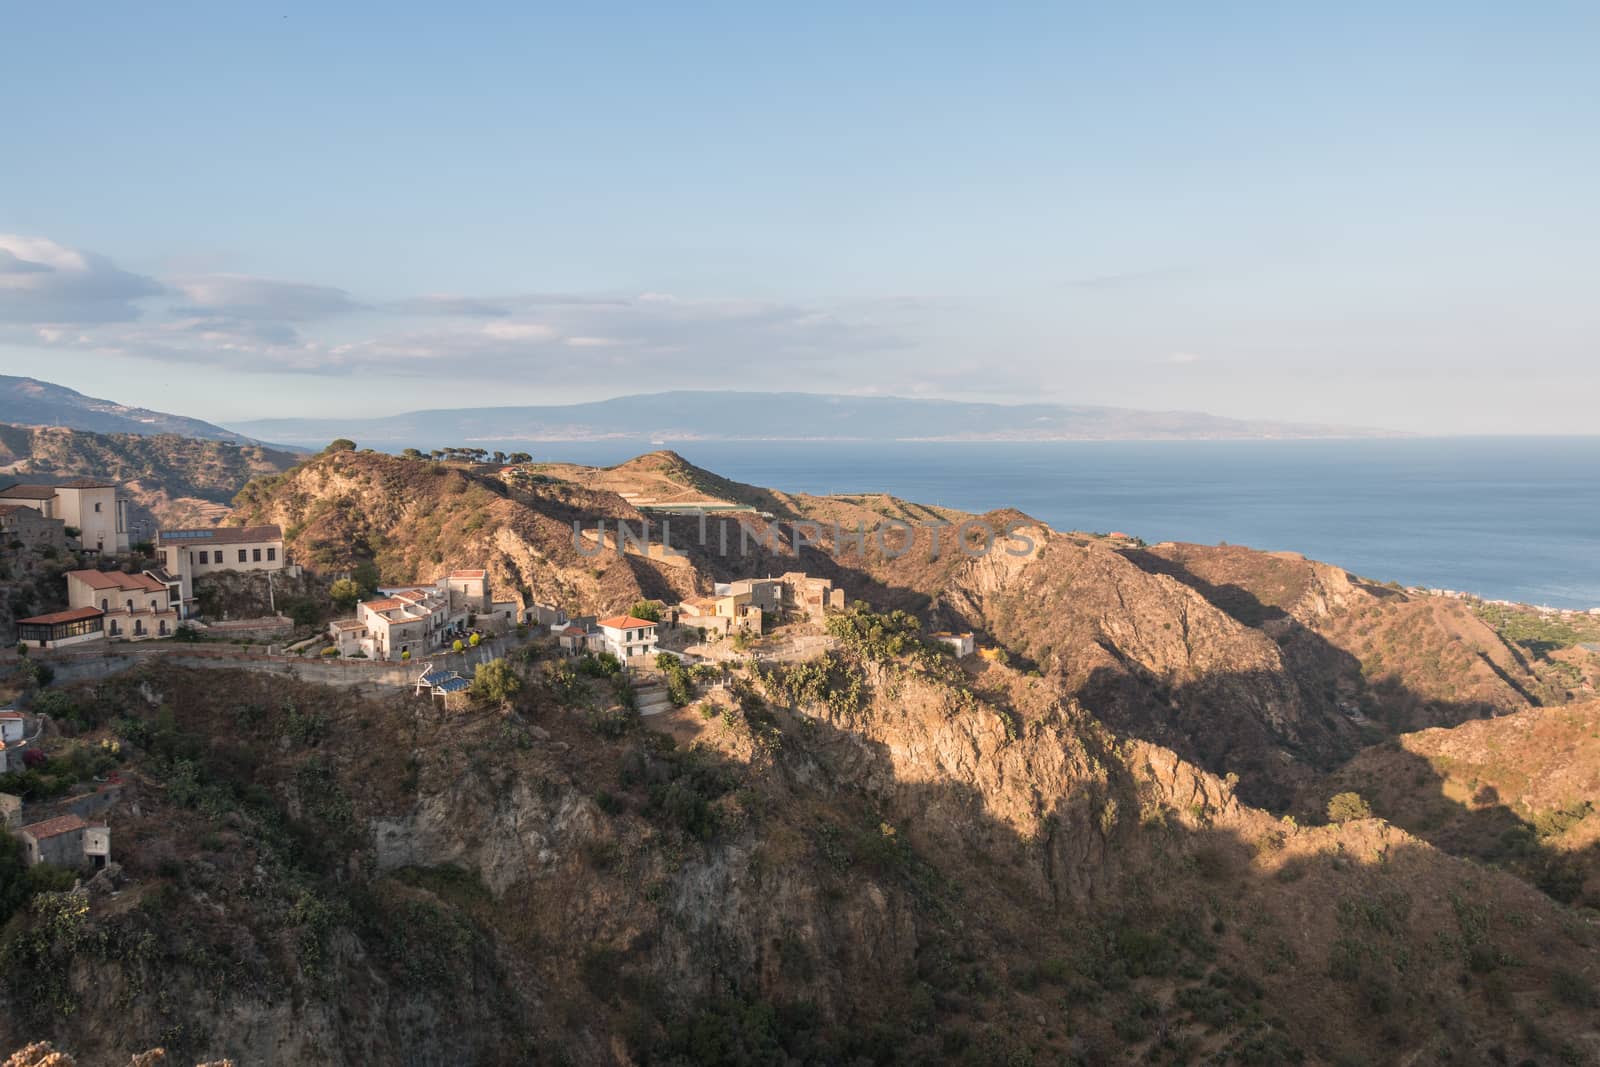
105, 605
130, 606
97, 508
204, 558
241, 556
257, 555
272, 553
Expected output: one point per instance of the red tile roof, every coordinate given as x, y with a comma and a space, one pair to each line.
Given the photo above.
71, 615
624, 622
386, 604
118, 580
14, 715
468, 574
63, 824
87, 483
29, 492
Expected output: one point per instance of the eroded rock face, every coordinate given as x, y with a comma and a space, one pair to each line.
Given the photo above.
508, 837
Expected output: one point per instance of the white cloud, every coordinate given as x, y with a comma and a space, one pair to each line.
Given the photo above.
43, 282
519, 331
241, 297
68, 298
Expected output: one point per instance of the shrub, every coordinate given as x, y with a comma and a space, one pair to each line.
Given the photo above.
1346, 807
405, 656
1574, 990
345, 592
458, 646
495, 681
648, 610
331, 650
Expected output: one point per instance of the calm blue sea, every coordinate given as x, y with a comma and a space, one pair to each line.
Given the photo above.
1513, 518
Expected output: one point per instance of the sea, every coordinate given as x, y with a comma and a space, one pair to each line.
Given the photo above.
1512, 518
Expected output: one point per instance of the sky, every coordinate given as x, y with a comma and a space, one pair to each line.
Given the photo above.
1365, 214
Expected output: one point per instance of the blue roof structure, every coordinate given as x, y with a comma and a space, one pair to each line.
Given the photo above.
454, 684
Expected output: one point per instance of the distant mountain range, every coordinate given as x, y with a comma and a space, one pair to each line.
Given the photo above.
30, 402
665, 417
733, 416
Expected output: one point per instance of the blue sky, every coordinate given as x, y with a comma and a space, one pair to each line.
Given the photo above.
1365, 213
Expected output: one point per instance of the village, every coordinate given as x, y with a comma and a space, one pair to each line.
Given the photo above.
428, 637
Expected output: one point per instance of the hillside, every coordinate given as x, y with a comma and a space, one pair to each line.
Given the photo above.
1521, 792
417, 519
710, 416
1105, 840
31, 402
941, 868
169, 480
1267, 666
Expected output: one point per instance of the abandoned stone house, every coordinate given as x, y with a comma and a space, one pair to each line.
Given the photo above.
66, 841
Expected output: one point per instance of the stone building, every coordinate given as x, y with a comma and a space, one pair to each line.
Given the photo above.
89, 505
28, 527
66, 841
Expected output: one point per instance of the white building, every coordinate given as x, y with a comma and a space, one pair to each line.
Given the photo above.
625, 636
89, 505
189, 554
962, 644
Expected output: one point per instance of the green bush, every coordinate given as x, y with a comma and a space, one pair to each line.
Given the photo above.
495, 682
1347, 807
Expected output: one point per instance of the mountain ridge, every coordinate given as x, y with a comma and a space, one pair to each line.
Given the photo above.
35, 403
688, 415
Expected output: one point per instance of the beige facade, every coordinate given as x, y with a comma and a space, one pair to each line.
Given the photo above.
721, 615
794, 593
190, 554
417, 620
99, 514
88, 505
136, 607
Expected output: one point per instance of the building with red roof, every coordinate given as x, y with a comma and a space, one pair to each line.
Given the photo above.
626, 637
135, 607
66, 841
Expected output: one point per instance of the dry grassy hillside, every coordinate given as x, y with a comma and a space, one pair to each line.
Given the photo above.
943, 867
1521, 791
418, 519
